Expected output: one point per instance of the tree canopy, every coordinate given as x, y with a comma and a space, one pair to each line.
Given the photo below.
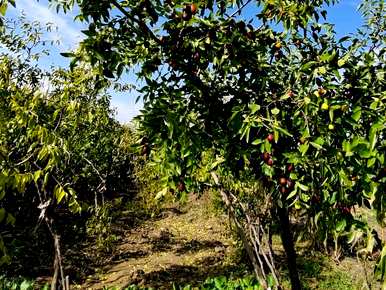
272, 96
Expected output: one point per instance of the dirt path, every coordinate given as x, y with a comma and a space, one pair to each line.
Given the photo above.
183, 246
189, 244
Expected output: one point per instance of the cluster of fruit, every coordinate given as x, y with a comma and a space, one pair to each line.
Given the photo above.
267, 156
286, 184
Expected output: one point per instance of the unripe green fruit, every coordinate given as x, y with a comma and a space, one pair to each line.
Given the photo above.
324, 106
331, 127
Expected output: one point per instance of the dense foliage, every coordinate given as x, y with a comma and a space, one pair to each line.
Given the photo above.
269, 98
61, 155
301, 110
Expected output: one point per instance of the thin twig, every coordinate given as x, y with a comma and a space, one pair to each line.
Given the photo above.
240, 229
95, 169
60, 119
58, 258
257, 247
256, 238
25, 160
240, 9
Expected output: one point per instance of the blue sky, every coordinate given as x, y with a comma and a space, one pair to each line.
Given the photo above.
343, 15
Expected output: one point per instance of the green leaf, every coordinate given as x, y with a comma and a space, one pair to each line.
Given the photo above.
10, 219
254, 108
257, 142
346, 146
59, 193
37, 175
319, 141
275, 111
308, 65
342, 61
292, 194
381, 264
282, 130
3, 8
218, 161
373, 137
316, 145
363, 152
267, 170
26, 285
67, 54
371, 162
357, 112
293, 176
341, 225
343, 39
303, 148
374, 105
302, 186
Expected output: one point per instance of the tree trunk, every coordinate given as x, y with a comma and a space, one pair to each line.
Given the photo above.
54, 280
289, 247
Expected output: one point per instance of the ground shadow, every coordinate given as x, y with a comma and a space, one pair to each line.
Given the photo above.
183, 275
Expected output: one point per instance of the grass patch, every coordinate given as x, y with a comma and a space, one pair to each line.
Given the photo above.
319, 272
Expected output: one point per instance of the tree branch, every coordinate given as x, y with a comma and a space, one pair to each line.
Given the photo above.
141, 24
240, 9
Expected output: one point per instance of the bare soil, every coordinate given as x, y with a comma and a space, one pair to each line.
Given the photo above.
185, 245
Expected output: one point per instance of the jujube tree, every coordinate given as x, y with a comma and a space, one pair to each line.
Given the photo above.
267, 90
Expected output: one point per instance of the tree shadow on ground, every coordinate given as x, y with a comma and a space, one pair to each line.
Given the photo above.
157, 257
185, 275
195, 246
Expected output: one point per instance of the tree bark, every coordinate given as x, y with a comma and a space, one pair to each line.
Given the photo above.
55, 276
289, 247
258, 270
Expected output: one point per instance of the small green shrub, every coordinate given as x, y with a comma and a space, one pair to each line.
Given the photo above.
17, 284
218, 283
